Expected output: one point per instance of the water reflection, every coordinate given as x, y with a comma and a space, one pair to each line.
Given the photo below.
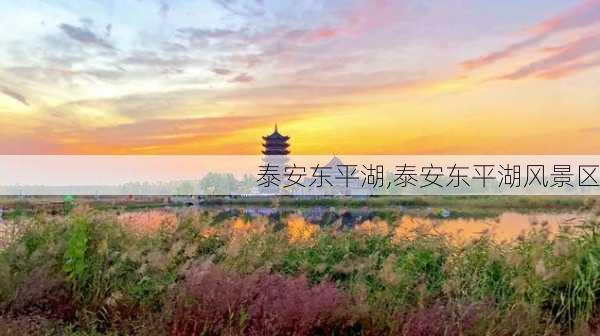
503, 227
508, 226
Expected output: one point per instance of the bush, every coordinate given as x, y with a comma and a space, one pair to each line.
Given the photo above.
214, 302
42, 294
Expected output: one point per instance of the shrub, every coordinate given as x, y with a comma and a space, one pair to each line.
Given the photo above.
28, 325
439, 320
215, 302
42, 294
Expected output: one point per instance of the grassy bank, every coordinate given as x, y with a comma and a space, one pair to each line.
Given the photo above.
102, 273
459, 206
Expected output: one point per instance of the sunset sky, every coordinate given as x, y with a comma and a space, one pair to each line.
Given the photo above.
345, 77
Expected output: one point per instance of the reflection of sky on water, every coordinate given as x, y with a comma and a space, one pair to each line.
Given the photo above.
506, 226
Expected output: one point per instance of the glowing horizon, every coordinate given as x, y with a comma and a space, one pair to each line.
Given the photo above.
346, 77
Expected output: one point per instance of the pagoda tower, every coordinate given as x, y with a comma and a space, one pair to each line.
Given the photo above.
276, 144
275, 150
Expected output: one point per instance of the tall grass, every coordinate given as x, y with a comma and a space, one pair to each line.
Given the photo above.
92, 272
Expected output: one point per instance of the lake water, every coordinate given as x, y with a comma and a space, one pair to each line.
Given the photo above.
505, 226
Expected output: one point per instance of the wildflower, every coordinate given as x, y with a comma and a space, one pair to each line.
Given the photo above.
148, 222
208, 232
299, 230
409, 227
240, 230
240, 227
373, 227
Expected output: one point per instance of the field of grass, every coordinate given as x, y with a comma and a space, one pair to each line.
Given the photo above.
101, 272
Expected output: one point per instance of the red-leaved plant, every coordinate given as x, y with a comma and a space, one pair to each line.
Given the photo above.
214, 302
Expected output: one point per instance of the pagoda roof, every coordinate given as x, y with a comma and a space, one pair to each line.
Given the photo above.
277, 152
275, 145
276, 136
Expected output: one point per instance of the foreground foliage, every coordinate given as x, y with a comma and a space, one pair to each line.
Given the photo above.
94, 272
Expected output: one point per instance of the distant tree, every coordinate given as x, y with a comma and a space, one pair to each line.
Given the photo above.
222, 184
247, 183
185, 188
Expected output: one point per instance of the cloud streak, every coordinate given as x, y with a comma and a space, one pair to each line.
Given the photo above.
569, 69
583, 14
242, 8
496, 56
586, 13
565, 54
221, 71
85, 36
242, 78
14, 95
370, 15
